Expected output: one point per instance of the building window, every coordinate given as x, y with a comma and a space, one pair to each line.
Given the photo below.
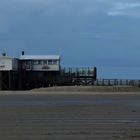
55, 62
27, 62
45, 62
39, 62
35, 62
50, 62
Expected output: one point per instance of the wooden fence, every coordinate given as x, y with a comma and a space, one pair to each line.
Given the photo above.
119, 82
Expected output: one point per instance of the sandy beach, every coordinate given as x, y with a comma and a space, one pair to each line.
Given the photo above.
91, 89
34, 115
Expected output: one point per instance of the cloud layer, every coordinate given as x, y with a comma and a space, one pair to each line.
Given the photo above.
125, 9
86, 32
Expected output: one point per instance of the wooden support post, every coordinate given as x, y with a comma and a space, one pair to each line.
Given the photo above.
121, 82
108, 82
97, 82
127, 83
103, 82
9, 80
0, 80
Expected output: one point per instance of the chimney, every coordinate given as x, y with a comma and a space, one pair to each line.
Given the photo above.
3, 54
22, 52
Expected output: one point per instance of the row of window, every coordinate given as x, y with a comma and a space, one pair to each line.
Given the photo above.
43, 62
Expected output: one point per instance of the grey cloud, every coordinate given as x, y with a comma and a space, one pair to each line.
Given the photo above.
83, 25
121, 7
15, 13
125, 9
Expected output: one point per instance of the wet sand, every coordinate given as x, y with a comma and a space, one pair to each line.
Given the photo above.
69, 116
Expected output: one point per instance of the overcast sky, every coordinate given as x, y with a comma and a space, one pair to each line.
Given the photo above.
104, 33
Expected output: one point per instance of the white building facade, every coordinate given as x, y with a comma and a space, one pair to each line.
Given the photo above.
40, 62
8, 63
